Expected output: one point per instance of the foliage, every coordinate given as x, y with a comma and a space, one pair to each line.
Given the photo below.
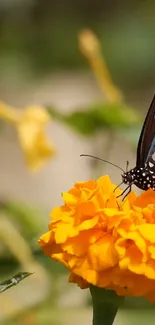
13, 281
40, 39
98, 117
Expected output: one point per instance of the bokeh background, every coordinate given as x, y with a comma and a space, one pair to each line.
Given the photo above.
41, 64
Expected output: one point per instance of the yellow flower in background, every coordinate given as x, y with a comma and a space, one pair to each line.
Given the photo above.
104, 241
30, 125
31, 130
90, 47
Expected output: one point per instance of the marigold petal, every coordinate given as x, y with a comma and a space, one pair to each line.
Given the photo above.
88, 224
65, 231
120, 247
150, 269
87, 209
151, 250
147, 197
149, 213
102, 254
60, 214
134, 237
61, 257
73, 278
82, 268
69, 199
129, 201
78, 246
112, 212
91, 185
48, 237
148, 232
48, 244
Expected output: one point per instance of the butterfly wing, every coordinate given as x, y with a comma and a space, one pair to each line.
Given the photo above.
146, 144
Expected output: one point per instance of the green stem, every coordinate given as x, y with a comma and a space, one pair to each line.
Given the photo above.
105, 305
104, 314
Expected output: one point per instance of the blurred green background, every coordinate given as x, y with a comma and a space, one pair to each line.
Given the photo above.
43, 36
40, 63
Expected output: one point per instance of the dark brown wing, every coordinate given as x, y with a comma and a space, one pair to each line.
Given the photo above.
147, 136
150, 162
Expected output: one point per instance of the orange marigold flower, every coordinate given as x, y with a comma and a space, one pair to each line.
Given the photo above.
104, 241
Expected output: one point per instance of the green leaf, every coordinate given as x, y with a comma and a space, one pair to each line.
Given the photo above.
13, 281
100, 116
116, 115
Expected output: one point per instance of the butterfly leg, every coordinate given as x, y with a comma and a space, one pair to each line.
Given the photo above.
118, 206
127, 188
117, 186
127, 192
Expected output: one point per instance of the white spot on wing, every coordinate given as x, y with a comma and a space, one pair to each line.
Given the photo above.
150, 164
153, 156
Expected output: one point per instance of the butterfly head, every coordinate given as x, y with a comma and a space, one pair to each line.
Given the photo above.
128, 177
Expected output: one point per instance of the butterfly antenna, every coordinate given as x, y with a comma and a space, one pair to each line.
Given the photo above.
97, 158
127, 165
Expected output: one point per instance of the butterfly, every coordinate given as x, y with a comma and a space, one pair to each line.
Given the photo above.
143, 174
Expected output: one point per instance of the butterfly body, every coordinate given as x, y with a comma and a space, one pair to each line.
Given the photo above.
143, 178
